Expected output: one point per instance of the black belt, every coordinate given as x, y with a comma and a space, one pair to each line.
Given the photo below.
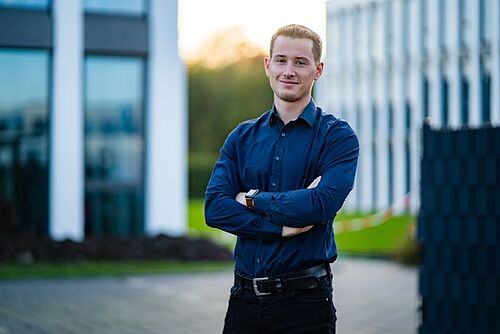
302, 280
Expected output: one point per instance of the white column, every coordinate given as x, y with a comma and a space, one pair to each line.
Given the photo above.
453, 68
381, 97
365, 135
350, 94
66, 153
495, 57
474, 68
166, 131
415, 95
399, 83
435, 93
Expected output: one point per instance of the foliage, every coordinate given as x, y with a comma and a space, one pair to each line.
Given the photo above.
200, 169
227, 85
220, 99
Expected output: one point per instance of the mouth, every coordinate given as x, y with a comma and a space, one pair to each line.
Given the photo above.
288, 82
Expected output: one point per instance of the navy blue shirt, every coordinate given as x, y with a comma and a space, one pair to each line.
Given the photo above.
281, 161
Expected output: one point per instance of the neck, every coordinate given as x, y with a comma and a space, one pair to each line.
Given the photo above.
290, 111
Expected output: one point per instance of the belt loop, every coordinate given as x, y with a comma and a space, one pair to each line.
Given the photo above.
280, 284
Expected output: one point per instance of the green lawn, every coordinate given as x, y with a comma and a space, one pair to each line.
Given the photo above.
106, 268
384, 239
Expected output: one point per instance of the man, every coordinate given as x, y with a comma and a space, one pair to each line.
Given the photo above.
277, 185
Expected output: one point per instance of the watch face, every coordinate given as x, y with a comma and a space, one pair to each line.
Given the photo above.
252, 192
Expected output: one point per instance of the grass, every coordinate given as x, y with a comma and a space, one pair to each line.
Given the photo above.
380, 240
106, 268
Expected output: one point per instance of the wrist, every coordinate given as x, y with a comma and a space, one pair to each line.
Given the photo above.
249, 198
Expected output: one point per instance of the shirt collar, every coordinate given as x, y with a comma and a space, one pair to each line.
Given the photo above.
308, 115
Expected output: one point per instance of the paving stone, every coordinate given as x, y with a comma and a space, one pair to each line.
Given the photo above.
371, 297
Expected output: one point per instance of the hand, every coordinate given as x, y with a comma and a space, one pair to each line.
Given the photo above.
240, 198
314, 183
291, 231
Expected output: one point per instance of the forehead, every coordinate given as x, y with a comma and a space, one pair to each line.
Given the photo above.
293, 47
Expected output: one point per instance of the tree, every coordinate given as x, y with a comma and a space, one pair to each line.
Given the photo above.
227, 85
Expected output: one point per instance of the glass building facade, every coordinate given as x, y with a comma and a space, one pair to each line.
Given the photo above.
114, 145
423, 60
87, 147
24, 140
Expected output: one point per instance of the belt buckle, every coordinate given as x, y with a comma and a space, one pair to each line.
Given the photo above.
256, 289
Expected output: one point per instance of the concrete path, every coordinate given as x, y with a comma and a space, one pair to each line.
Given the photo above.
371, 296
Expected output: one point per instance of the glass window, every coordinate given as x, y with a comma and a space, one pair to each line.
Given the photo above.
486, 20
464, 90
114, 151
407, 115
444, 101
24, 159
407, 147
425, 97
28, 4
128, 7
390, 172
485, 96
374, 177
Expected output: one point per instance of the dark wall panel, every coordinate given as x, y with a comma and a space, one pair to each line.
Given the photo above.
23, 28
112, 35
459, 230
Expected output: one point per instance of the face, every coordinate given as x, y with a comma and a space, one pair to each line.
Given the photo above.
291, 68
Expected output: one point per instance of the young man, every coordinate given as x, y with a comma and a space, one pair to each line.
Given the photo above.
277, 185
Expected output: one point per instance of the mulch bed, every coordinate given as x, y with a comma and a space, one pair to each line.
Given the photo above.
29, 249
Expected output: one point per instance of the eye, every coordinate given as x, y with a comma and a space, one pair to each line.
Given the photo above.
280, 60
300, 62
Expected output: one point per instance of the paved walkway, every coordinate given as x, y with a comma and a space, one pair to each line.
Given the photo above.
372, 296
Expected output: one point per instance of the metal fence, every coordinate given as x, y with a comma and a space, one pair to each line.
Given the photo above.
459, 231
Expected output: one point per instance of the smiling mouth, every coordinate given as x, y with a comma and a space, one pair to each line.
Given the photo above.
288, 82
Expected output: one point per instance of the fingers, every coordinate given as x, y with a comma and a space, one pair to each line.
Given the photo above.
314, 183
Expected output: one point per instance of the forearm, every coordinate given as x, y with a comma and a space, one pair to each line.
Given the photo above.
300, 208
225, 213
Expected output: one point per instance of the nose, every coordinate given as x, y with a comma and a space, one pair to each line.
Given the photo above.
289, 70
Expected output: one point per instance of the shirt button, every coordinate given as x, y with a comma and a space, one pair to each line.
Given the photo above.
283, 134
273, 184
277, 158
258, 260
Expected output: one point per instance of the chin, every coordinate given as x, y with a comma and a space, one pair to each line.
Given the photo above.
289, 97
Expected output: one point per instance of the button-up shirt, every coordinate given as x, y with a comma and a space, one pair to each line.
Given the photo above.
281, 161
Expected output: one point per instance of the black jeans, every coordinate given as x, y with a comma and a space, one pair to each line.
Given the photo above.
302, 311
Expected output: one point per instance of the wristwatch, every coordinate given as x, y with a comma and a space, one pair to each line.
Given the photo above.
249, 198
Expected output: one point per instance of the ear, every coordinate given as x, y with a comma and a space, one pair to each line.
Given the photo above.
319, 70
266, 65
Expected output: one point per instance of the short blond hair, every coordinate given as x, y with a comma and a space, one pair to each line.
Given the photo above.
299, 31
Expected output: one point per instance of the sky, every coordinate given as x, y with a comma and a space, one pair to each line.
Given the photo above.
259, 19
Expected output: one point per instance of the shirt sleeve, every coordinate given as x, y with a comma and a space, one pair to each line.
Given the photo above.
337, 168
222, 211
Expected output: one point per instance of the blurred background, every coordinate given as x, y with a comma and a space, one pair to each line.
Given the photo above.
112, 114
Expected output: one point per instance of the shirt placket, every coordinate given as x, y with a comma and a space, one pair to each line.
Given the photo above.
274, 183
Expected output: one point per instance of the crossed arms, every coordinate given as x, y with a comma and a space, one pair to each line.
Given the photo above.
282, 214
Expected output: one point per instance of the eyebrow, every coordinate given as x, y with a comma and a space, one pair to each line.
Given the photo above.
284, 56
